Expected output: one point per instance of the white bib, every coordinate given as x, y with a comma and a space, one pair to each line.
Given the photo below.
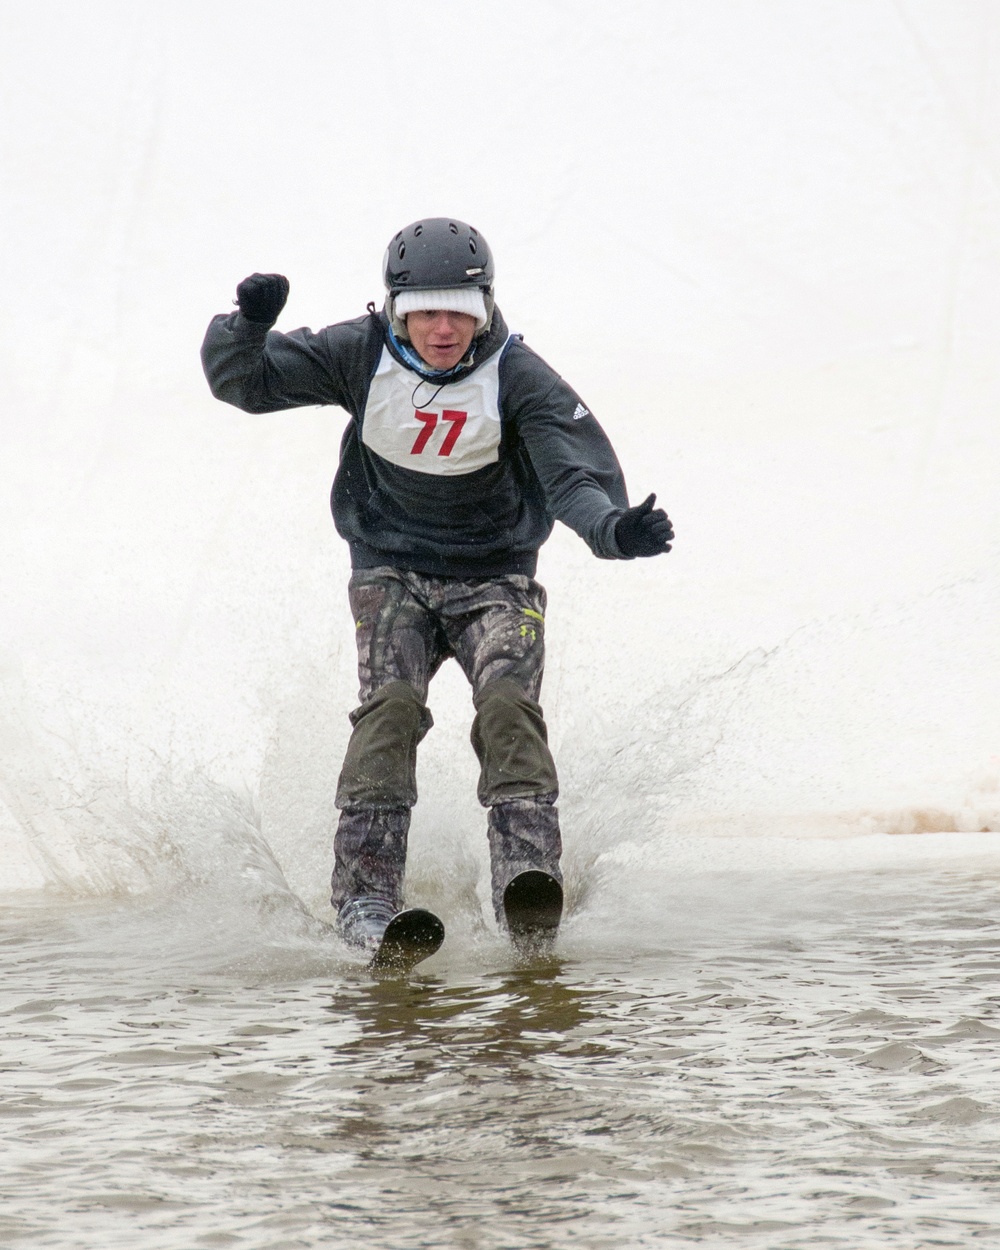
457, 430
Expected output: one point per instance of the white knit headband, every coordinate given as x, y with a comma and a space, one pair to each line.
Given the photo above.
468, 300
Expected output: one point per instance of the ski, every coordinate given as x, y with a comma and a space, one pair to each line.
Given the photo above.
409, 937
532, 905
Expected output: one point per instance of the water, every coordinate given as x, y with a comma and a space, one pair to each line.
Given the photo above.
819, 1071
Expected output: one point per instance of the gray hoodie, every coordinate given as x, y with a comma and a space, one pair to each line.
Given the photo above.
456, 477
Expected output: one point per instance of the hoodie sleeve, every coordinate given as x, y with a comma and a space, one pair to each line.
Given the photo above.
261, 370
572, 457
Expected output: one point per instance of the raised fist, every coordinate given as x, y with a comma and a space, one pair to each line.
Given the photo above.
643, 530
262, 296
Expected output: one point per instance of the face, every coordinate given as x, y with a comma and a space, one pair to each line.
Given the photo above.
441, 338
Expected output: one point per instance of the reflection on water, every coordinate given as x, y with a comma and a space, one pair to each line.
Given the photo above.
823, 1074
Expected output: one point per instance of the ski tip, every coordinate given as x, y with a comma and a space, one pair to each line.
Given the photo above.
410, 937
533, 905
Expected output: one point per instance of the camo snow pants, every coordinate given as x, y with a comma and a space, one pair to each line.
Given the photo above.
407, 624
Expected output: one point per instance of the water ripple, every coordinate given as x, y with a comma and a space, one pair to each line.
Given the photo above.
822, 1075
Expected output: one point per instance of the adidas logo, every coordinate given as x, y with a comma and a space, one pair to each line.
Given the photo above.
580, 412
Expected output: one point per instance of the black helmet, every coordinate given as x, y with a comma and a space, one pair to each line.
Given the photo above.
438, 253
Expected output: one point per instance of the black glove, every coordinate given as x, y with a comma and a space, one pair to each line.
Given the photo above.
643, 530
262, 296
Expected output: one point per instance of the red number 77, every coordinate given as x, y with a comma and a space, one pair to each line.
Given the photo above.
429, 421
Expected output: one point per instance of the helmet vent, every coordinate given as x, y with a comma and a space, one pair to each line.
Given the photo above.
401, 250
472, 246
418, 230
452, 227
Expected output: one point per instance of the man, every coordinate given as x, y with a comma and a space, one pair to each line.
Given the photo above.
462, 450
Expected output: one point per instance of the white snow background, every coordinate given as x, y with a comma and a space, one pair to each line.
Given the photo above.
761, 238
